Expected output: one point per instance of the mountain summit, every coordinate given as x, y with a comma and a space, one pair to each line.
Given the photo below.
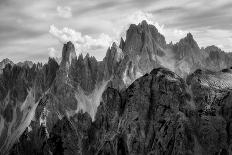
68, 53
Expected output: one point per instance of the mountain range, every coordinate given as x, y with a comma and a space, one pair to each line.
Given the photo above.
144, 97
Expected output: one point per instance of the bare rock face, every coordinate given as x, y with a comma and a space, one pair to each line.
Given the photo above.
122, 44
4, 62
21, 89
217, 59
77, 87
211, 94
84, 72
25, 64
68, 53
142, 120
142, 36
68, 135
159, 113
142, 45
187, 47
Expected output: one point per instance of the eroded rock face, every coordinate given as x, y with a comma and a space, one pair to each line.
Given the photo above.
22, 88
217, 59
4, 62
212, 92
66, 94
159, 113
146, 118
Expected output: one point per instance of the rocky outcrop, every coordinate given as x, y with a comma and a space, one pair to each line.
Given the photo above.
21, 89
212, 92
142, 120
25, 64
4, 62
217, 59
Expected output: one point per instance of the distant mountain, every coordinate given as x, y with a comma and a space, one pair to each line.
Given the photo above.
25, 63
120, 105
4, 62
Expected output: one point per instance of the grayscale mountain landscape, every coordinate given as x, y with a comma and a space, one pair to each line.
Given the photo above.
146, 96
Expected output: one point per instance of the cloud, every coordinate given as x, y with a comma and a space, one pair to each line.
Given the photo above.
218, 37
64, 12
83, 43
66, 34
171, 34
139, 16
174, 35
230, 40
102, 41
180, 32
53, 53
122, 24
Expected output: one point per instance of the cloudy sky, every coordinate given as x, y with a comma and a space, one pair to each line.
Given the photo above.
36, 29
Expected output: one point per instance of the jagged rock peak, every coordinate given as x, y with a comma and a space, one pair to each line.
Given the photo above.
122, 43
89, 58
141, 27
114, 45
52, 61
68, 52
149, 27
189, 35
189, 39
81, 57
4, 62
114, 53
140, 36
26, 64
212, 48
144, 24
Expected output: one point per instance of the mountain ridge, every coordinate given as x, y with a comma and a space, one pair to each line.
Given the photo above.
155, 30
110, 101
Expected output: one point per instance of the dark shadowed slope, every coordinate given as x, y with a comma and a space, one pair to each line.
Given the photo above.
157, 114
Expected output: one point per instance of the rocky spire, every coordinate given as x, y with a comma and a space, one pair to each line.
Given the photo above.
4, 62
190, 41
141, 36
144, 25
213, 48
122, 43
68, 53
